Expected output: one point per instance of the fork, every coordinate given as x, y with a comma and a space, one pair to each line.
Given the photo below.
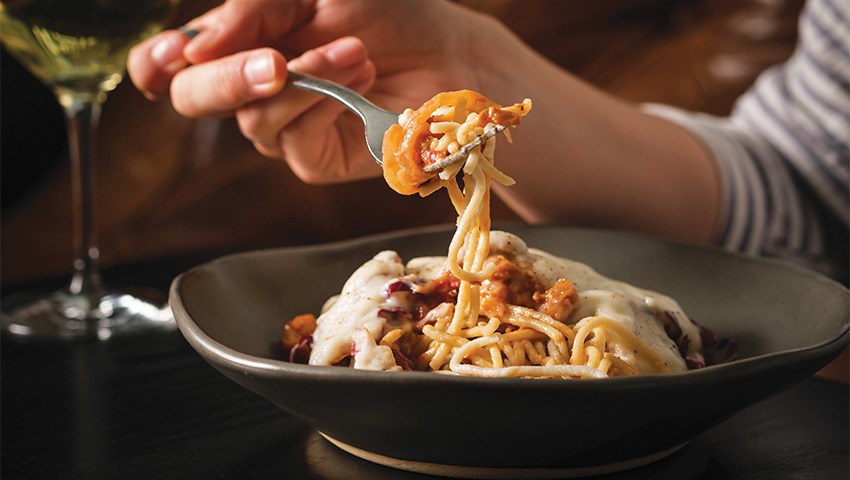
377, 120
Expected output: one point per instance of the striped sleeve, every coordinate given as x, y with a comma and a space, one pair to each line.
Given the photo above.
784, 153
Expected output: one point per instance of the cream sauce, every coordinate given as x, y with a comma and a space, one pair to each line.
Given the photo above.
357, 308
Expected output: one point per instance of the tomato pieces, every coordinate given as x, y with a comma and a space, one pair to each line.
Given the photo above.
407, 147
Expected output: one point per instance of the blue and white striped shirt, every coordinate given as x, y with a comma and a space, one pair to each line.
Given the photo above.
784, 153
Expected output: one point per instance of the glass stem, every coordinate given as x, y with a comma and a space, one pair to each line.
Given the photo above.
82, 114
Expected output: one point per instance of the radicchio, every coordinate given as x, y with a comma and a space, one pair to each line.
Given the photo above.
715, 350
674, 332
300, 352
396, 286
402, 360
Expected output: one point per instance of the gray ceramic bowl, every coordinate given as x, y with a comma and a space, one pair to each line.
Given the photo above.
789, 322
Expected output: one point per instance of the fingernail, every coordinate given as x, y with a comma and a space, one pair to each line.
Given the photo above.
345, 52
260, 72
189, 32
167, 52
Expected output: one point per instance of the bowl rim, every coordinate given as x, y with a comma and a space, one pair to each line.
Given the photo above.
218, 353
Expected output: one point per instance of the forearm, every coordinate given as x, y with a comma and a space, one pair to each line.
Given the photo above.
585, 157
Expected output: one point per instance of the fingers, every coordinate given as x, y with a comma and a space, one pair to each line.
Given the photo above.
222, 86
321, 140
344, 61
244, 24
221, 72
327, 146
235, 26
153, 63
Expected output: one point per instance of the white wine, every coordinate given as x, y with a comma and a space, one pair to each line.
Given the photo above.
80, 48
79, 45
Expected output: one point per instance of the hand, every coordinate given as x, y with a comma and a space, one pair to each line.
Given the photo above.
644, 173
397, 53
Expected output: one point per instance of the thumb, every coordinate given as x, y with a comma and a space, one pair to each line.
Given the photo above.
219, 87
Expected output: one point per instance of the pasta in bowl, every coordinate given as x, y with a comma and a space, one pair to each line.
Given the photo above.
538, 315
790, 322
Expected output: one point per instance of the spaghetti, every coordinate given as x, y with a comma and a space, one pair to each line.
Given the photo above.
426, 136
492, 307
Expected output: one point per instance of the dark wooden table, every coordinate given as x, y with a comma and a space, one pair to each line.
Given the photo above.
149, 407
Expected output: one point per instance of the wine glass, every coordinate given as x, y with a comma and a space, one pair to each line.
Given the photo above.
79, 49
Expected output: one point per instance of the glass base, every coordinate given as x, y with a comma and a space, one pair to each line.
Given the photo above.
62, 315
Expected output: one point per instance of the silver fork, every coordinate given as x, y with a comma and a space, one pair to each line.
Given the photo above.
377, 120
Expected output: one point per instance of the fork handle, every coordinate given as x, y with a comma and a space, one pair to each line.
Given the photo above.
351, 99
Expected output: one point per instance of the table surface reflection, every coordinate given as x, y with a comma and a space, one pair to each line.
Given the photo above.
150, 407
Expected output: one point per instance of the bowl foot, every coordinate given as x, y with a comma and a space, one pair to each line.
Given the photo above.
498, 473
